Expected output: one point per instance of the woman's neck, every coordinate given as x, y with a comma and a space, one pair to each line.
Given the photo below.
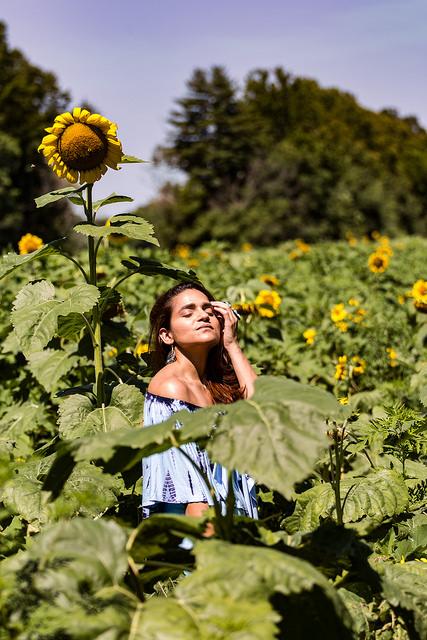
191, 365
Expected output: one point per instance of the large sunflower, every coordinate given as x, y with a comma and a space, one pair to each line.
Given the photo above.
81, 143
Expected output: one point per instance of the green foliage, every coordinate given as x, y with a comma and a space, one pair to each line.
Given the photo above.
283, 157
29, 101
76, 563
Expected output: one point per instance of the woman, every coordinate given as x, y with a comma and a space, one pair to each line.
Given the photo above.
198, 362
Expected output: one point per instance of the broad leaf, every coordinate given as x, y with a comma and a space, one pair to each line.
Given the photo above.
50, 365
58, 194
405, 586
128, 225
152, 267
377, 496
11, 261
228, 596
94, 549
79, 418
113, 198
36, 311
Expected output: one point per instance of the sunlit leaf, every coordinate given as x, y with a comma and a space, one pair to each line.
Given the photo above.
58, 194
128, 225
11, 261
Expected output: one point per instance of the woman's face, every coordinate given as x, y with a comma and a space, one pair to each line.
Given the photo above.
193, 320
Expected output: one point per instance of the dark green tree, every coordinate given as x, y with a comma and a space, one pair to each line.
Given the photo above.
29, 101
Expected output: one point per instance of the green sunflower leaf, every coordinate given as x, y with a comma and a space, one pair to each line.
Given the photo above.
230, 595
124, 224
405, 586
152, 267
50, 365
58, 194
36, 311
131, 160
111, 199
375, 497
11, 261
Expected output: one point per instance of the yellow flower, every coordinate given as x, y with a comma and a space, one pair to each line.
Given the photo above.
353, 302
351, 239
378, 262
392, 354
294, 254
309, 335
385, 250
29, 243
359, 365
376, 235
269, 298
302, 246
360, 313
111, 352
193, 262
245, 308
343, 400
142, 347
81, 146
342, 326
338, 312
340, 368
247, 246
269, 279
401, 299
419, 291
182, 251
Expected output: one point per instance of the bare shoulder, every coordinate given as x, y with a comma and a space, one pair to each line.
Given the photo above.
164, 383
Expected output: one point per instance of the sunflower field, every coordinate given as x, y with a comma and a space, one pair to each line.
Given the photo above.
335, 436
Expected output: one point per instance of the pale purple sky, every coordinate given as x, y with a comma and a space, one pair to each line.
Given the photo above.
130, 59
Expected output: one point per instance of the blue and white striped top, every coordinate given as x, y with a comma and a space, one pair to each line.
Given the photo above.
170, 477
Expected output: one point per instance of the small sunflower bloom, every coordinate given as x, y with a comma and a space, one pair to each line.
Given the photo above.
419, 291
80, 146
353, 302
302, 246
29, 243
142, 347
378, 262
358, 365
182, 251
401, 299
193, 262
247, 246
342, 326
341, 368
338, 312
393, 357
269, 279
268, 303
245, 308
111, 352
385, 250
294, 254
343, 400
309, 335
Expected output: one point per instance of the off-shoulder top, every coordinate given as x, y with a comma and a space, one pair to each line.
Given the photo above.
170, 477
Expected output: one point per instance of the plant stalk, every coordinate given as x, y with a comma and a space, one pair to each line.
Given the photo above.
96, 315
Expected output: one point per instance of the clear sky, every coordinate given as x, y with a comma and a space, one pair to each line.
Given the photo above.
131, 59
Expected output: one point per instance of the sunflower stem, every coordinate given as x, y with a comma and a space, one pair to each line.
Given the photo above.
96, 315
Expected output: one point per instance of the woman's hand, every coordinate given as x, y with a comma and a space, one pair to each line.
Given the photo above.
229, 330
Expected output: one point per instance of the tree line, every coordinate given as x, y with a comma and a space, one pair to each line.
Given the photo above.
282, 157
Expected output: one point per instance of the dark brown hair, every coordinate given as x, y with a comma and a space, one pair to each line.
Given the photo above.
220, 377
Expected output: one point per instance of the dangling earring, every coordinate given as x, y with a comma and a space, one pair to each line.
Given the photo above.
171, 357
